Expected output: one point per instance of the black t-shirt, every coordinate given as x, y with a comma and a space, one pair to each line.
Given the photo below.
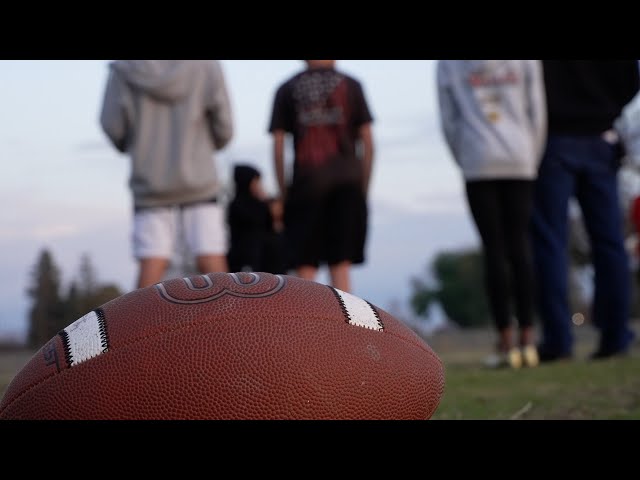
323, 109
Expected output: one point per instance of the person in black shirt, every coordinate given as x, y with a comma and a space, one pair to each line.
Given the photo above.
582, 158
325, 213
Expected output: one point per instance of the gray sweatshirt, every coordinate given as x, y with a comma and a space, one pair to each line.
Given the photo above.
493, 116
170, 116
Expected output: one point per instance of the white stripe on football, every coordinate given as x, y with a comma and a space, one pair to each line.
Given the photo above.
84, 339
359, 312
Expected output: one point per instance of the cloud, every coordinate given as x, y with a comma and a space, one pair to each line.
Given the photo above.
387, 209
40, 218
51, 232
39, 232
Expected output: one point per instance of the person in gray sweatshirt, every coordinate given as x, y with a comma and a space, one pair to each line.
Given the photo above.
170, 117
493, 117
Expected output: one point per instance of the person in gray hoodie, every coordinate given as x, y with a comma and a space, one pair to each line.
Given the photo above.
170, 117
493, 116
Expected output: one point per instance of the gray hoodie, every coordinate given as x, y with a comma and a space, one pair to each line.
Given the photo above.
170, 116
493, 116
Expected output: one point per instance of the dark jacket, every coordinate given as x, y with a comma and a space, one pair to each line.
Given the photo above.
250, 224
584, 97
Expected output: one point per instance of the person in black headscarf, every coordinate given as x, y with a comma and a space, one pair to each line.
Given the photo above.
253, 240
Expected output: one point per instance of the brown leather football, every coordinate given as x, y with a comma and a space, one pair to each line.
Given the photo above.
231, 346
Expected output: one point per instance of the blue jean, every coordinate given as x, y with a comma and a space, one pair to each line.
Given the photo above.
584, 167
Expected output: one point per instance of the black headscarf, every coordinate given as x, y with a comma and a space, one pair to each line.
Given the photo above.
242, 176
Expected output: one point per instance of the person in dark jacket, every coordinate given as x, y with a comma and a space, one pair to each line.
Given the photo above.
253, 241
582, 159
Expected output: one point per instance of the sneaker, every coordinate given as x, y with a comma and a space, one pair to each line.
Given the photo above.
530, 356
494, 360
604, 354
624, 350
546, 356
510, 359
514, 357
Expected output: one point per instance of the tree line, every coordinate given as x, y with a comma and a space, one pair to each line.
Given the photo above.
453, 279
54, 306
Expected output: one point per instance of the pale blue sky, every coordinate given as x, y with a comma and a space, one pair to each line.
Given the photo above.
65, 188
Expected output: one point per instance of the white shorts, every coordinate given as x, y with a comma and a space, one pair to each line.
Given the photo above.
161, 232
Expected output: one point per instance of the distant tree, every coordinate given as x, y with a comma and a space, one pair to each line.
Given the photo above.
46, 313
91, 294
51, 311
73, 305
87, 283
459, 288
423, 296
104, 294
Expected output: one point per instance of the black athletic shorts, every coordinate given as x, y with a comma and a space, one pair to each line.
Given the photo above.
328, 227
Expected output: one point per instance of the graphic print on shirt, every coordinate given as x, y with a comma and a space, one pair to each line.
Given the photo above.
320, 100
488, 83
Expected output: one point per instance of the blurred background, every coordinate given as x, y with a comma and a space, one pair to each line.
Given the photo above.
64, 188
66, 207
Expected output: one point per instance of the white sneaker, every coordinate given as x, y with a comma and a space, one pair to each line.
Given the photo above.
495, 360
512, 359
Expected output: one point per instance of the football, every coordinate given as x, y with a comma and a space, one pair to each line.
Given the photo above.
246, 346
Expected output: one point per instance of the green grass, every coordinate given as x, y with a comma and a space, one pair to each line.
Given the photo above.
10, 362
568, 390
571, 390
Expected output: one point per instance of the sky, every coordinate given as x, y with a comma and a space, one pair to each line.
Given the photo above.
64, 188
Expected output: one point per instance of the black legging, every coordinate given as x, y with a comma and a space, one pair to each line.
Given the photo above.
501, 210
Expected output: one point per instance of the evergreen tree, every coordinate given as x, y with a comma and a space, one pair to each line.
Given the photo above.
50, 311
73, 305
87, 284
91, 293
104, 294
46, 313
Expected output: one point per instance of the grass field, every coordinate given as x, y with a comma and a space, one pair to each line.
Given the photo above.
577, 389
571, 390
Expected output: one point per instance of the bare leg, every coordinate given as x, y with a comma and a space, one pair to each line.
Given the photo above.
340, 276
212, 263
506, 347
307, 272
527, 336
505, 339
528, 347
151, 271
